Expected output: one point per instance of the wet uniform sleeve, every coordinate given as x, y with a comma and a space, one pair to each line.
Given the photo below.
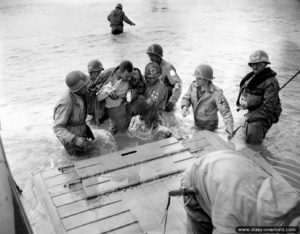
61, 116
102, 78
224, 109
108, 17
269, 102
175, 80
127, 20
186, 100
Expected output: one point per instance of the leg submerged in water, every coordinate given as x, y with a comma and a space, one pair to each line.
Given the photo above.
256, 132
116, 30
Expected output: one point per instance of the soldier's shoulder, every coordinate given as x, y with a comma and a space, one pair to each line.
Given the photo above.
109, 70
66, 99
217, 89
272, 79
193, 85
166, 64
218, 92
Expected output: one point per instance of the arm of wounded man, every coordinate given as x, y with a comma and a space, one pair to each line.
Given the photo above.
104, 92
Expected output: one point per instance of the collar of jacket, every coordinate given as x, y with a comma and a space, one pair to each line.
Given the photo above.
111, 72
75, 97
114, 70
210, 87
259, 78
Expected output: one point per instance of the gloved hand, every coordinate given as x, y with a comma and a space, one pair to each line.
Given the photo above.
81, 142
169, 107
243, 104
185, 111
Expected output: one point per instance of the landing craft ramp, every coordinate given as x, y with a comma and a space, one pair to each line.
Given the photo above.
125, 191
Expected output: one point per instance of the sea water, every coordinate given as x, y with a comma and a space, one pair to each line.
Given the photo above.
42, 40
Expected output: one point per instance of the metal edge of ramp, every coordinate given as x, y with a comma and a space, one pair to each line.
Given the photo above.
55, 225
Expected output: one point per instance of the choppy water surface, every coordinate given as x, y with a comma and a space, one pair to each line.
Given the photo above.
41, 41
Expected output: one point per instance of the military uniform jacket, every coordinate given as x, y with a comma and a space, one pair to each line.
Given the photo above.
171, 80
206, 105
116, 18
69, 118
97, 108
157, 94
261, 93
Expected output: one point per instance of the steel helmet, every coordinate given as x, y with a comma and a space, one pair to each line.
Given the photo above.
155, 49
95, 65
152, 70
259, 56
119, 5
204, 71
76, 80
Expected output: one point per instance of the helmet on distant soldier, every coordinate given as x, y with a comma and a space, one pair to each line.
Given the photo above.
76, 80
119, 5
152, 70
204, 71
95, 65
155, 49
259, 56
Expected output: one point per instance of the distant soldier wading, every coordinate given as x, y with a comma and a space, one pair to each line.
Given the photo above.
116, 18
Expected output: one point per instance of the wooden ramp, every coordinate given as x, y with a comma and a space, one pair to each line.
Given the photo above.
125, 191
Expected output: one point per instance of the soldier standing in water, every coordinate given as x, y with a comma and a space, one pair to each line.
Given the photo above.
70, 114
259, 94
168, 77
116, 18
206, 100
114, 93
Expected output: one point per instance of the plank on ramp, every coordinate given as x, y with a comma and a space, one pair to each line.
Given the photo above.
137, 174
148, 202
119, 222
119, 160
150, 146
205, 142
